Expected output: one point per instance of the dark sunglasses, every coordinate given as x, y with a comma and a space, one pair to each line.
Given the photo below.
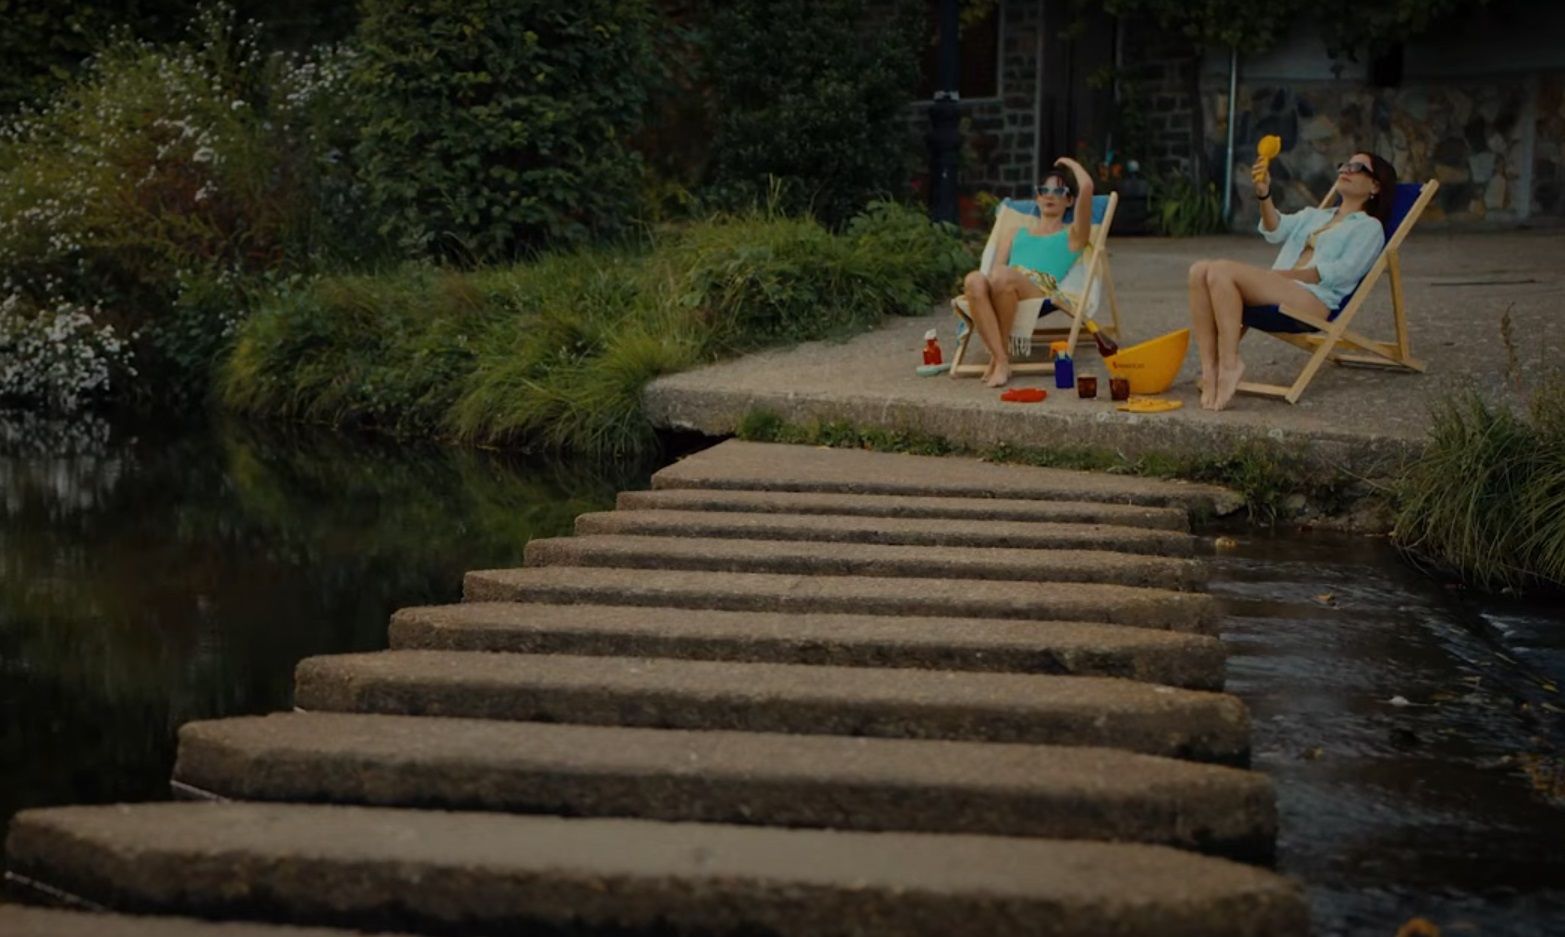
1354, 167
1059, 190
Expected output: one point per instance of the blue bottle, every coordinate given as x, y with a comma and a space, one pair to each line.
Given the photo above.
1064, 367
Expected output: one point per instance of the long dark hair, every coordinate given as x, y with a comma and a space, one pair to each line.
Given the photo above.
1381, 203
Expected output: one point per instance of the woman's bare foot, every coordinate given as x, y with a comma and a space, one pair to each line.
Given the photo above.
1208, 385
988, 371
1227, 385
1000, 375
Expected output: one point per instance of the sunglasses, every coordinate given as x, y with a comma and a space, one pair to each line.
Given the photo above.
1354, 167
1058, 190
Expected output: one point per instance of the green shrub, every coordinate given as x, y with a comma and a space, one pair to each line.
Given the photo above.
932, 257
554, 354
493, 128
164, 171
1486, 500
1181, 208
810, 92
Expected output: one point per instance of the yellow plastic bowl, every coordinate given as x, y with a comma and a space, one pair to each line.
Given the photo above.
1153, 364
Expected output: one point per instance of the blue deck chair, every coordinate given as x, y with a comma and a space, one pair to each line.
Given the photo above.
1322, 337
1087, 284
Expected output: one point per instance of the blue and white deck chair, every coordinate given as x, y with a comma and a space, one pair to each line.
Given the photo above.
1321, 337
1086, 284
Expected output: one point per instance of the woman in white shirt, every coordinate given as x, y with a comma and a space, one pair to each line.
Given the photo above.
1326, 251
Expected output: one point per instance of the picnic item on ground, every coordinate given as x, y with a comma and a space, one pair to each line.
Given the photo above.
930, 370
931, 348
1064, 367
1119, 388
1086, 387
1107, 347
1149, 405
1025, 395
1152, 365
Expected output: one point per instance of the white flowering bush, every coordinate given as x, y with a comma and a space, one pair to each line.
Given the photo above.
57, 358
158, 186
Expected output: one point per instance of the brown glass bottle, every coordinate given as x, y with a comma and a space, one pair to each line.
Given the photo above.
1107, 347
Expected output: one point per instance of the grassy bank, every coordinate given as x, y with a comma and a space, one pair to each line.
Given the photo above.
553, 354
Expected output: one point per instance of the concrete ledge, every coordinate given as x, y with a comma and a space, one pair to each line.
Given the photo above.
455, 873
908, 531
881, 702
20, 921
770, 592
1187, 660
860, 559
973, 509
771, 467
766, 779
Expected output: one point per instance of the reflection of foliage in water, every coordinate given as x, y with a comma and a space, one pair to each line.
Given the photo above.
145, 582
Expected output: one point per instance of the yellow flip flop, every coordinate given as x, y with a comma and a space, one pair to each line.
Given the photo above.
1149, 405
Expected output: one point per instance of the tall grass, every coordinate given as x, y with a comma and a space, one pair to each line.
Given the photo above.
554, 354
1486, 500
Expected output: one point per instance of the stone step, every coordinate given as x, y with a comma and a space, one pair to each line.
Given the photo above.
909, 531
21, 921
766, 779
810, 700
735, 464
772, 592
479, 873
626, 551
975, 509
1054, 647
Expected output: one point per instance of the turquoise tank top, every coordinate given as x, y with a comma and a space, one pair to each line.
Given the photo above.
1048, 253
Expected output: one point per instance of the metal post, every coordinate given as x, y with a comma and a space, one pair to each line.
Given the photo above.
1228, 164
944, 117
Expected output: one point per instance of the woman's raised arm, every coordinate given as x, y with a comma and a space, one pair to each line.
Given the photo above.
1081, 226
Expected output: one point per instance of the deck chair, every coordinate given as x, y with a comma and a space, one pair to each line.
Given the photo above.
1088, 283
1322, 337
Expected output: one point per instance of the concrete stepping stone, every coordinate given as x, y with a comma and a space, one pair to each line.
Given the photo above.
22, 921
869, 595
1054, 647
975, 509
479, 873
911, 531
684, 694
623, 551
767, 779
736, 464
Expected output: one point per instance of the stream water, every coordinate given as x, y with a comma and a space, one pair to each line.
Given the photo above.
150, 578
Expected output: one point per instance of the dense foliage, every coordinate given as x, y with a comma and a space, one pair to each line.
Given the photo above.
492, 128
554, 354
138, 208
1348, 25
811, 93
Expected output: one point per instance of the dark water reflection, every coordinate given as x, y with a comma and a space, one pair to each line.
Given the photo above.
147, 579
1414, 735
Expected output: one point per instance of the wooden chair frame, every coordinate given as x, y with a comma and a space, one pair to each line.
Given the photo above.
1097, 270
1323, 345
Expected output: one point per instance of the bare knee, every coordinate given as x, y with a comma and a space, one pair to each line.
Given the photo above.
1219, 272
976, 283
1198, 272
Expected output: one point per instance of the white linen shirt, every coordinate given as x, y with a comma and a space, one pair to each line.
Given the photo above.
1342, 255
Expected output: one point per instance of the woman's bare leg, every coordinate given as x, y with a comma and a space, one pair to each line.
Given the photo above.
1232, 286
981, 305
1008, 289
1204, 325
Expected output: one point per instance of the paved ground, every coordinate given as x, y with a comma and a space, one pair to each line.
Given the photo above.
1458, 286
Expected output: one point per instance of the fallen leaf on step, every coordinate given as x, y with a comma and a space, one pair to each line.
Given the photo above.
1225, 543
1327, 598
1418, 927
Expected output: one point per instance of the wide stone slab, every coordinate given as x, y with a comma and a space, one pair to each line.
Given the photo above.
976, 509
860, 595
767, 779
1052, 647
775, 467
622, 551
909, 531
21, 921
683, 694
477, 873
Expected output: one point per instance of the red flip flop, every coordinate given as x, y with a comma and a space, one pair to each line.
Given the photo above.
1024, 394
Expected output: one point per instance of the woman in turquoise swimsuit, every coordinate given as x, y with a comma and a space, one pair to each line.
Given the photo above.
1031, 265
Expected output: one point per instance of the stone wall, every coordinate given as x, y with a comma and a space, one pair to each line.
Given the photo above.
1164, 68
1548, 153
997, 133
1487, 142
